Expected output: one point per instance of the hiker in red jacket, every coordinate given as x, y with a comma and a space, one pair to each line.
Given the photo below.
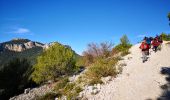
155, 44
145, 50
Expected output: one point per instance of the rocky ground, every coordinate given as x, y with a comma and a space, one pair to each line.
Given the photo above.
138, 81
30, 94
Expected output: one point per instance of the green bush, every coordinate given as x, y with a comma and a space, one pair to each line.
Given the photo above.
78, 89
101, 68
123, 47
71, 90
68, 88
165, 37
61, 84
54, 62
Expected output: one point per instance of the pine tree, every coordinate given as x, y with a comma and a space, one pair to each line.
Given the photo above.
54, 62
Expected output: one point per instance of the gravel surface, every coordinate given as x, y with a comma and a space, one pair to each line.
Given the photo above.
138, 81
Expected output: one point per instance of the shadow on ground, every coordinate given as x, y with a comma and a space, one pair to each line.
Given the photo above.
166, 87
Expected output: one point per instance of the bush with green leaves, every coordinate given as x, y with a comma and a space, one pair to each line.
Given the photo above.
65, 88
165, 37
101, 68
53, 63
61, 84
71, 90
123, 47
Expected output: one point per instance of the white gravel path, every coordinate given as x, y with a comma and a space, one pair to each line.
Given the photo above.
138, 81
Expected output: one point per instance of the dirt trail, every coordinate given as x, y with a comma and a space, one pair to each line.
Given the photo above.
138, 81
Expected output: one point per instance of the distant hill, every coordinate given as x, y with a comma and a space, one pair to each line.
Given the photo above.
19, 48
22, 48
19, 45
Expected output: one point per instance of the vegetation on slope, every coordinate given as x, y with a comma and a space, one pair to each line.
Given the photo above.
53, 63
123, 47
14, 78
165, 37
102, 59
30, 54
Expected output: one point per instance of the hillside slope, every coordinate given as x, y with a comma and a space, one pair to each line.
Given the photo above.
138, 81
19, 48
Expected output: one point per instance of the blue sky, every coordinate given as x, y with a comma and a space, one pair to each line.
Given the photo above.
79, 22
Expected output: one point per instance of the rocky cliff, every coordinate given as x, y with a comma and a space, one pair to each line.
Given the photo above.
19, 45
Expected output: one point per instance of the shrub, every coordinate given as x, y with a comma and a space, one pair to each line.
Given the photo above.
123, 47
61, 84
165, 37
101, 68
71, 90
54, 62
102, 50
72, 95
78, 89
68, 88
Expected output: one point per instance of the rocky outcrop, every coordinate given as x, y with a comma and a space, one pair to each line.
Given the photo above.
19, 45
14, 47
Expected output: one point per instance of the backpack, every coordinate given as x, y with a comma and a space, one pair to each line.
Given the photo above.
144, 46
148, 41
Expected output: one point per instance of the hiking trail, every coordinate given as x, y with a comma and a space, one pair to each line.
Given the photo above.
138, 81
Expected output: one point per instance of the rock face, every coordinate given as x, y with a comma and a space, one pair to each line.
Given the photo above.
19, 45
14, 47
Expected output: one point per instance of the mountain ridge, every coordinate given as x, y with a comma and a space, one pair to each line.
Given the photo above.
19, 45
23, 48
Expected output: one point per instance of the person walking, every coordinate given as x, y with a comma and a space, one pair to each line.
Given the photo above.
145, 50
155, 44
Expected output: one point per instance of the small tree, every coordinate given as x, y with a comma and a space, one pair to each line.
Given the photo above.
95, 51
123, 46
165, 37
124, 40
56, 61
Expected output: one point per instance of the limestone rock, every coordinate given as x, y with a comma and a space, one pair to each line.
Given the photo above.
106, 80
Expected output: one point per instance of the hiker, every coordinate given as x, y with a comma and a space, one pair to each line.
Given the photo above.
145, 50
155, 44
148, 41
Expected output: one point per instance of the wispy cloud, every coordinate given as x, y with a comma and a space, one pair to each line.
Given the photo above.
21, 31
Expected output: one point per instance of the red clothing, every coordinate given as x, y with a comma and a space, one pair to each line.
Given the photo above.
155, 43
144, 46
